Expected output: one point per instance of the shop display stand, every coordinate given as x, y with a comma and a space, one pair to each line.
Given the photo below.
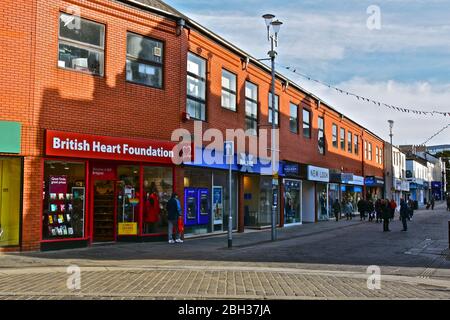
62, 216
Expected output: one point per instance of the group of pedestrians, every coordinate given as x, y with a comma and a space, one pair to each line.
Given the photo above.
382, 210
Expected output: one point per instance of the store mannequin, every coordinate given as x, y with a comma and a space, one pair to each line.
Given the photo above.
152, 209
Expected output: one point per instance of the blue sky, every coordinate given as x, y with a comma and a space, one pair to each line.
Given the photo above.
405, 63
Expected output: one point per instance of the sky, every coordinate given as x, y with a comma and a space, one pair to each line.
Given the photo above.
405, 62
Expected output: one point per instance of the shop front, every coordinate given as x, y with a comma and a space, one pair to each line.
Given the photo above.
292, 191
352, 189
417, 192
11, 175
207, 200
374, 187
104, 189
315, 194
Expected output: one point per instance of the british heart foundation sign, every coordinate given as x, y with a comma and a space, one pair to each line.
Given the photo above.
77, 145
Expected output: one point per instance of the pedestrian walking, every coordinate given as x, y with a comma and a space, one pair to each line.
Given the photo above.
411, 209
378, 210
404, 214
173, 213
362, 208
392, 208
370, 210
448, 202
385, 214
432, 203
336, 209
348, 210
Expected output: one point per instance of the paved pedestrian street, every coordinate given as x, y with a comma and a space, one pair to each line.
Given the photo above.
327, 260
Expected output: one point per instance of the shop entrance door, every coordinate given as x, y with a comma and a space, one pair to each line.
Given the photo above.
104, 210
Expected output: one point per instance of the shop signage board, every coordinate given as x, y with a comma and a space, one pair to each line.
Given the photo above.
127, 229
346, 177
357, 180
290, 169
318, 174
78, 145
10, 137
373, 181
57, 184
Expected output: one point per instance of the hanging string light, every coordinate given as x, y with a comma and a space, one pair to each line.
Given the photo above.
364, 99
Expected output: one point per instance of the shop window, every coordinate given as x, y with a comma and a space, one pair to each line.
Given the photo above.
128, 197
321, 136
334, 136
81, 44
196, 87
10, 200
228, 90
276, 111
251, 108
158, 188
258, 197
144, 60
64, 200
306, 123
292, 200
342, 139
293, 118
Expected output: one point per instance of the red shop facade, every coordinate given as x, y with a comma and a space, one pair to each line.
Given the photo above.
99, 189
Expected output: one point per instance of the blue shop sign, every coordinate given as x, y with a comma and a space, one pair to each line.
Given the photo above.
216, 159
436, 185
373, 182
290, 169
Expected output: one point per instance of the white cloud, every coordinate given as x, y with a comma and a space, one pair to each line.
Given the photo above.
409, 128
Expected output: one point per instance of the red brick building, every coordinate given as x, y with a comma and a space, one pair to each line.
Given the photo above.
82, 97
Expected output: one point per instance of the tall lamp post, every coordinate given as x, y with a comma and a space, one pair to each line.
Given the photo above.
391, 126
273, 28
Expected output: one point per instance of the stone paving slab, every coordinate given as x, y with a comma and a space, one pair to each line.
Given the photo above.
213, 284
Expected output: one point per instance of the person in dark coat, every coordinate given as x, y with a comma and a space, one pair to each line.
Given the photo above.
448, 202
362, 208
173, 213
370, 210
432, 203
411, 209
385, 214
378, 210
336, 209
404, 213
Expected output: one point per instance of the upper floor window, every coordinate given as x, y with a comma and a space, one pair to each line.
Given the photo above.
365, 150
334, 135
293, 118
196, 88
228, 90
277, 110
377, 156
356, 143
251, 107
370, 151
342, 138
82, 47
381, 156
306, 123
321, 136
349, 142
144, 60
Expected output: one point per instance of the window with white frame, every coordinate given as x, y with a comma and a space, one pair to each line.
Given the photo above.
349, 142
228, 90
81, 45
293, 118
356, 143
306, 123
251, 107
276, 110
321, 135
334, 135
196, 87
370, 151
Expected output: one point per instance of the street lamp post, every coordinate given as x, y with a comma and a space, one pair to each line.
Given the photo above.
273, 38
391, 126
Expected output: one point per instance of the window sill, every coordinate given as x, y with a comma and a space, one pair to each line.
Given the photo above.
144, 85
82, 72
229, 109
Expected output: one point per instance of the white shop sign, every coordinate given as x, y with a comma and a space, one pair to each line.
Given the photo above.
318, 174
